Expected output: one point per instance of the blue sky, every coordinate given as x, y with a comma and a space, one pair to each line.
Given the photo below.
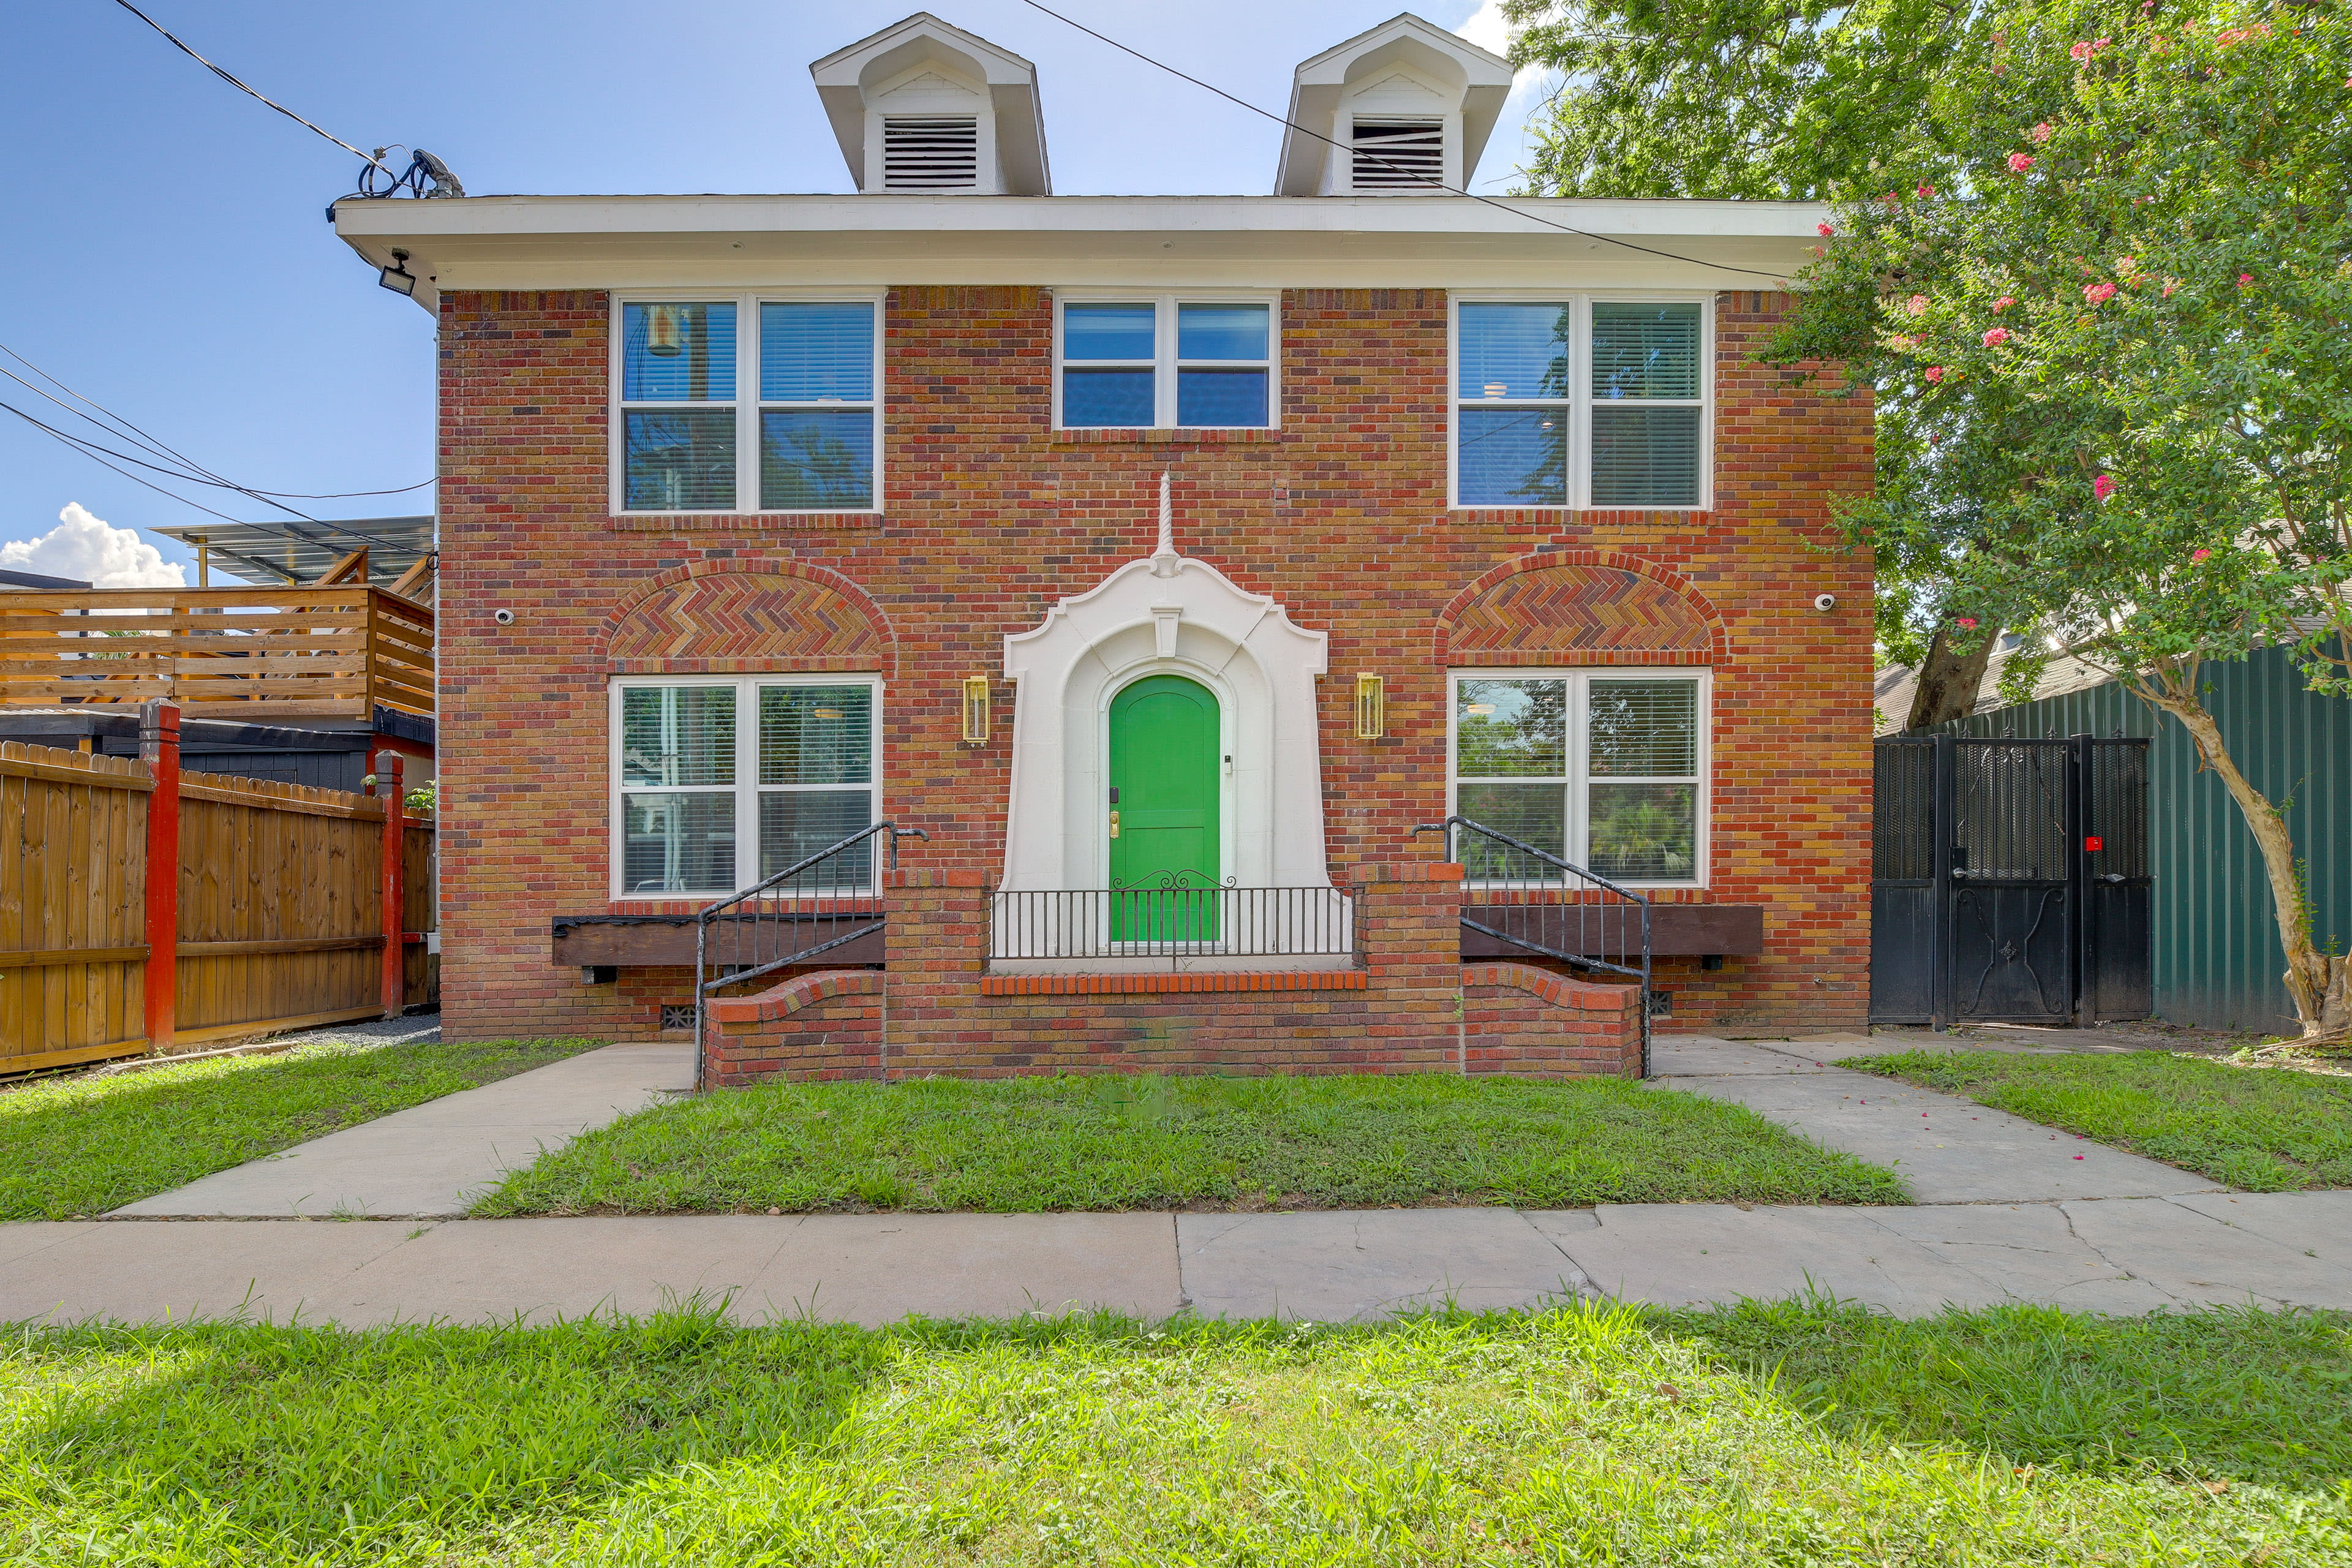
168, 254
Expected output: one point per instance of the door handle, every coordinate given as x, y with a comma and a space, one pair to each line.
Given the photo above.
1114, 825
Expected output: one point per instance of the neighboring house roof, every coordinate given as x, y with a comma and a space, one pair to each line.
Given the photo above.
269, 554
1897, 685
35, 580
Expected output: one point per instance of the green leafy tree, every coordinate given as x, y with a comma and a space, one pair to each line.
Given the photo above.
1768, 99
2116, 329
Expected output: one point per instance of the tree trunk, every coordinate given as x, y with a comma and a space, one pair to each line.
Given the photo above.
2318, 982
1948, 681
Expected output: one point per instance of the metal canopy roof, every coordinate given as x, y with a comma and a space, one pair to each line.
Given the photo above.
272, 553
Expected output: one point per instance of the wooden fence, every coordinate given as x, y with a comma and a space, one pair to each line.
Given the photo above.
273, 920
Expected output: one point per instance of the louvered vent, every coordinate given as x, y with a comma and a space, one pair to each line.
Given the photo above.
1398, 154
931, 153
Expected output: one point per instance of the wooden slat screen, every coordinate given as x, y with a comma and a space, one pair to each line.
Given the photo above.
264, 653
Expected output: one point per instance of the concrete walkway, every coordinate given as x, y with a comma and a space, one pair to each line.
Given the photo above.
431, 1160
2008, 1213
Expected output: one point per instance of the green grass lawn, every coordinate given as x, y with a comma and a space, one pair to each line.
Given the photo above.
1764, 1435
2264, 1128
82, 1145
1119, 1143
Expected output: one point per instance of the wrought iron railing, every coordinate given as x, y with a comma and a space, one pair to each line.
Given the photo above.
1182, 915
1532, 899
814, 906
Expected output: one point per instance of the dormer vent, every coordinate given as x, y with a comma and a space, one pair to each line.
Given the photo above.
1398, 154
1404, 109
926, 109
931, 153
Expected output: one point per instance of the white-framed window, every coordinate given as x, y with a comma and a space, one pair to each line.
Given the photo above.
1575, 401
1605, 768
1167, 361
719, 782
747, 403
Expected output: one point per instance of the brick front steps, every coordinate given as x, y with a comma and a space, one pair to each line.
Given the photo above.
1497, 1019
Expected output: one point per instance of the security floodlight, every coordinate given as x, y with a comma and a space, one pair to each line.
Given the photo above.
397, 276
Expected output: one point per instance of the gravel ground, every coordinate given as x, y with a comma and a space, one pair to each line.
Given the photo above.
368, 1032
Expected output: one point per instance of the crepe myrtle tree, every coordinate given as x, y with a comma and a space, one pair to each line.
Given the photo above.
2114, 349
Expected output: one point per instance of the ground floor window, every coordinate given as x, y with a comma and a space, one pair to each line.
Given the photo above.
720, 782
1604, 768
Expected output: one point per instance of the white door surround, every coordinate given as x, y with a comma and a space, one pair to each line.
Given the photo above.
1169, 614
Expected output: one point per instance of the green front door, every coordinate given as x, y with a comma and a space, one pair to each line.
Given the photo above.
1164, 805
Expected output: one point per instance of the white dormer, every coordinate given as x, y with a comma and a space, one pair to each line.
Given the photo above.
1409, 104
925, 107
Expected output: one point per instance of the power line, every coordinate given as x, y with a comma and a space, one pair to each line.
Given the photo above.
190, 471
226, 77
1362, 153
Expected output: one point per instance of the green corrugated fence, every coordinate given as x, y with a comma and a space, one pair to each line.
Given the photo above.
2217, 952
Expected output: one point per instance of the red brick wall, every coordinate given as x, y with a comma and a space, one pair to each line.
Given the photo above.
992, 517
1523, 1022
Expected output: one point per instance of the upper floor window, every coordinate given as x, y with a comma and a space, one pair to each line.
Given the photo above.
748, 404
1168, 361
1580, 402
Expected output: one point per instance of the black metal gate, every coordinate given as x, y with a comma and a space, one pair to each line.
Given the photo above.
2010, 882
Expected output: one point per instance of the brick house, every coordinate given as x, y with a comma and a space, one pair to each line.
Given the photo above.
1301, 521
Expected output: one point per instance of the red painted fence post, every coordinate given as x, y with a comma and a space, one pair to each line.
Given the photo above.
394, 902
159, 748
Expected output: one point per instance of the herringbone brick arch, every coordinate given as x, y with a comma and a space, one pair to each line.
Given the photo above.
749, 621
1602, 613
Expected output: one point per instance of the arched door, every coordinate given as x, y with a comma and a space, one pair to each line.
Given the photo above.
1163, 814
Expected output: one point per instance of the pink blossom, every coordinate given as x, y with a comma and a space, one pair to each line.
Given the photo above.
2041, 132
2170, 285
1916, 304
2245, 279
2004, 302
1935, 373
2198, 555
1967, 623
2127, 264
2103, 487
1893, 198
1925, 192
2019, 162
1995, 338
2098, 293
2079, 52
1825, 230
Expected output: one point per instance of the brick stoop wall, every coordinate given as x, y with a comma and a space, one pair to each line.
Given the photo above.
1416, 1008
1530, 1023
814, 1027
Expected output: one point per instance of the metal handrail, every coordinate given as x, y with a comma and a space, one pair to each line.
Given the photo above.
873, 917
1454, 826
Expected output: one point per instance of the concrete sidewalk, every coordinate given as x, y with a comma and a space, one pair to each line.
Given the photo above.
2110, 1255
431, 1160
2008, 1211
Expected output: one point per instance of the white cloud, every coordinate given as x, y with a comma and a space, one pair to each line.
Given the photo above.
92, 551
1487, 29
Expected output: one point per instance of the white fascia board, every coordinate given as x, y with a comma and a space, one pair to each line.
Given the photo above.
723, 241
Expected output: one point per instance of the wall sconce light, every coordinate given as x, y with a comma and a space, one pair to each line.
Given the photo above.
975, 710
1371, 707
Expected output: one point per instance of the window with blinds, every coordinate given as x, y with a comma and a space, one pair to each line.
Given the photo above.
1645, 405
1398, 154
931, 153
748, 404
1602, 769
1579, 402
1167, 362
722, 783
